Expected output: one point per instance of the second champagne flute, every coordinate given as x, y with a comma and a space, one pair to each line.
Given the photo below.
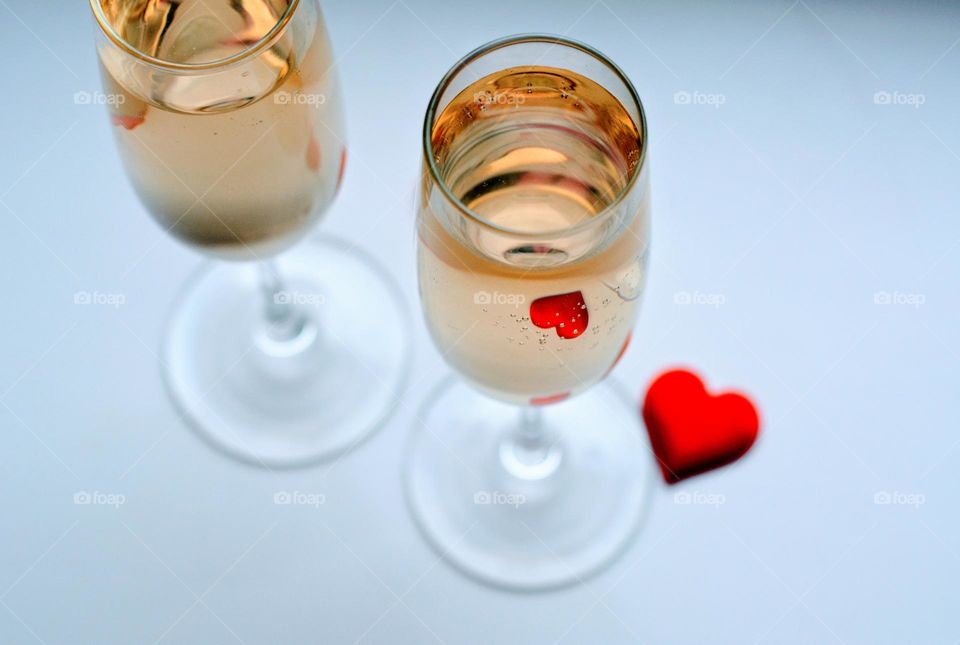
533, 240
228, 118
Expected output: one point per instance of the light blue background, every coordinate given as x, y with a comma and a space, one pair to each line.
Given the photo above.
796, 201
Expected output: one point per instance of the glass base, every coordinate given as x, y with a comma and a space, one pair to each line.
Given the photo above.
521, 519
303, 398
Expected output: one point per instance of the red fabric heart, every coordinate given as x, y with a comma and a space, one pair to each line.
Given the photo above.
313, 153
693, 431
343, 166
566, 312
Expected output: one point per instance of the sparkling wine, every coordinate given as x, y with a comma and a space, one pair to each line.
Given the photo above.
534, 295
237, 148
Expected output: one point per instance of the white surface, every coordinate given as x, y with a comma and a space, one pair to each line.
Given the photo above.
797, 200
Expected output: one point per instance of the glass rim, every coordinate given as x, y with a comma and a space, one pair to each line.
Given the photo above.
267, 40
508, 41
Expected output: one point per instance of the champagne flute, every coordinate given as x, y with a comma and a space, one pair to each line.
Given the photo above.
228, 118
533, 230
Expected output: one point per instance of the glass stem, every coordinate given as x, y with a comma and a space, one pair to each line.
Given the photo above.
283, 321
530, 450
531, 444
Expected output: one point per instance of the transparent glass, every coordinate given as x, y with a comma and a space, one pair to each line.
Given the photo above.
533, 231
229, 122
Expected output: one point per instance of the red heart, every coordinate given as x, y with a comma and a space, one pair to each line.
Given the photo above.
313, 153
127, 121
566, 312
343, 166
547, 400
693, 431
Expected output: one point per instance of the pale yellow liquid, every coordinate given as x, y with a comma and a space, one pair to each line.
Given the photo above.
241, 160
534, 150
